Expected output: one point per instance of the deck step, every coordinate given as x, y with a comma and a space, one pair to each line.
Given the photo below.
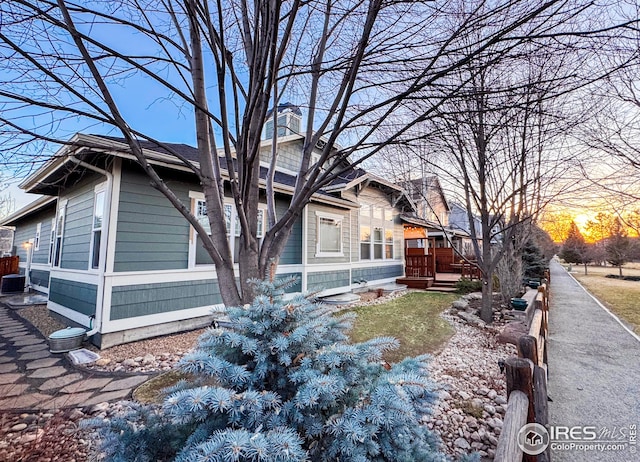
442, 289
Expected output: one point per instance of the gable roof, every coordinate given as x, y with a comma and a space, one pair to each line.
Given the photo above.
419, 189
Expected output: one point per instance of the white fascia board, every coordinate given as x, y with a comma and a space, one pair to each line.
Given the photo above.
58, 159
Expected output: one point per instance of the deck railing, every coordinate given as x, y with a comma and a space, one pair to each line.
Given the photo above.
419, 266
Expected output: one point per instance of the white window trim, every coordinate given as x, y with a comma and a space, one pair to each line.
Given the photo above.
331, 216
52, 239
62, 208
101, 188
36, 240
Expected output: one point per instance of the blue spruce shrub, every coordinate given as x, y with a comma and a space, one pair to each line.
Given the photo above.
284, 384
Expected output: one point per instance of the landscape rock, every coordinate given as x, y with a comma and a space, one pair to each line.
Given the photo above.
471, 319
462, 444
460, 304
482, 391
490, 409
512, 332
468, 368
501, 400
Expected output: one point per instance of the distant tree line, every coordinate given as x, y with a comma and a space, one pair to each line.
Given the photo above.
608, 242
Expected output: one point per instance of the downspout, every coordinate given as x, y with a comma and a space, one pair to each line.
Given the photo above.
95, 322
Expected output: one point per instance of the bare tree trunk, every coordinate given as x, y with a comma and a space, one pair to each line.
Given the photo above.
510, 273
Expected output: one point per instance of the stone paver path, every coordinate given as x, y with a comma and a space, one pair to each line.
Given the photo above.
594, 372
32, 378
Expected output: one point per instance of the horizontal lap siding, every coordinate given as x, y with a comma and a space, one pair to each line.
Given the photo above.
77, 228
292, 253
26, 230
375, 273
328, 280
77, 296
146, 299
289, 155
151, 233
40, 278
41, 256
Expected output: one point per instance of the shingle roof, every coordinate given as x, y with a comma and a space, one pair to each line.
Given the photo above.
192, 154
186, 151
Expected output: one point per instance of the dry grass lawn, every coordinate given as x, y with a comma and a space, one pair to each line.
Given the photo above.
621, 297
413, 319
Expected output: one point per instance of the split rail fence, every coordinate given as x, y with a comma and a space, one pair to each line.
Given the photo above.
527, 384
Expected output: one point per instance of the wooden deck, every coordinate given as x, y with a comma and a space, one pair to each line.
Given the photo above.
448, 277
416, 282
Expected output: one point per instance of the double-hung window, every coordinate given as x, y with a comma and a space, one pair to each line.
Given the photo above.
59, 234
96, 230
36, 240
52, 239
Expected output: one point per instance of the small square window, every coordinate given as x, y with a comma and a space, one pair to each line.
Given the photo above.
329, 235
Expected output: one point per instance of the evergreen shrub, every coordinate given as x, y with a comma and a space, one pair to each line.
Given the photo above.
283, 384
466, 285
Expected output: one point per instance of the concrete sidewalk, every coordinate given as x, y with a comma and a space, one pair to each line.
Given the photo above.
32, 378
594, 371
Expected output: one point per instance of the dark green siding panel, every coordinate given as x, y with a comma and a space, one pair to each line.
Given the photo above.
151, 234
40, 278
77, 296
77, 228
375, 273
146, 299
26, 230
328, 280
292, 253
41, 255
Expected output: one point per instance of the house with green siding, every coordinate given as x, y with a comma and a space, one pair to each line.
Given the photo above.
113, 254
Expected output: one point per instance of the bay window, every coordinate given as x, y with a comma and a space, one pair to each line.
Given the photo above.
376, 233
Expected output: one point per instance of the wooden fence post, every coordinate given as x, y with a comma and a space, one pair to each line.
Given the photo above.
528, 348
520, 377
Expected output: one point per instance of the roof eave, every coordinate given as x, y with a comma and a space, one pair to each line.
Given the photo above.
26, 210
